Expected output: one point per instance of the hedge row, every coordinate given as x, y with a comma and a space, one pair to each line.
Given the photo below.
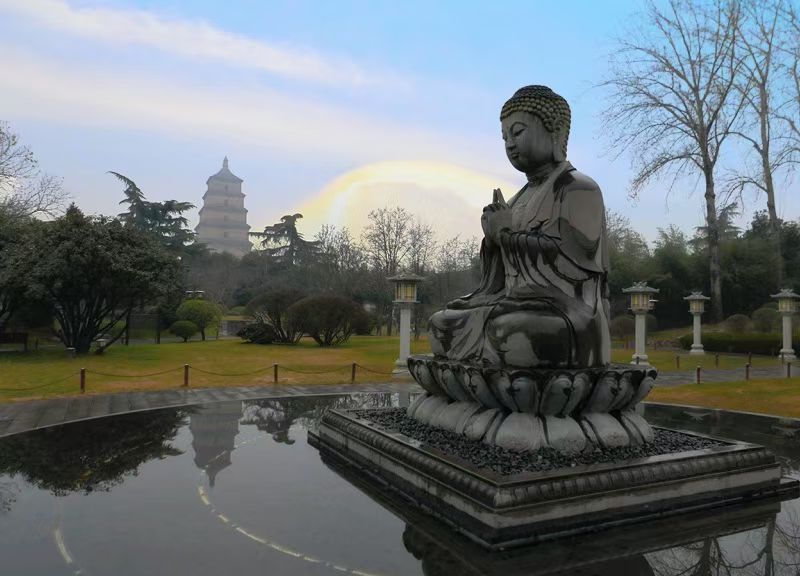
755, 342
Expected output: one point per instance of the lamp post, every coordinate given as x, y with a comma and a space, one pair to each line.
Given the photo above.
787, 306
641, 302
405, 296
697, 305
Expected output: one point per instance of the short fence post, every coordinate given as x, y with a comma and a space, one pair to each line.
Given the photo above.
697, 375
185, 375
747, 371
677, 362
275, 373
716, 360
788, 369
353, 373
83, 380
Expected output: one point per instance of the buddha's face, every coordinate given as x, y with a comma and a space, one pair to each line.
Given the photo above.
528, 144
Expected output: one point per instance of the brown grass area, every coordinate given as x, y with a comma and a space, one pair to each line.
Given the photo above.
779, 396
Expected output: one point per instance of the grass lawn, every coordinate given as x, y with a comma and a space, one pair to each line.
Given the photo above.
780, 396
106, 373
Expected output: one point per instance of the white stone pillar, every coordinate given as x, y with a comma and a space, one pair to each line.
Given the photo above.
787, 352
640, 351
401, 365
697, 345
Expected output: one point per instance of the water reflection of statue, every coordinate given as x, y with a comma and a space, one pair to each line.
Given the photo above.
542, 300
214, 428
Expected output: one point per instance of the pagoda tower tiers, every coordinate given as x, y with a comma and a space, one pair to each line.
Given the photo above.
223, 217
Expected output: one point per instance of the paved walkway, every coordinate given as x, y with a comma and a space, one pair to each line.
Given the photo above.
680, 377
21, 416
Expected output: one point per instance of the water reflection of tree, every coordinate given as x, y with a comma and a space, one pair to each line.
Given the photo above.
773, 550
276, 416
92, 455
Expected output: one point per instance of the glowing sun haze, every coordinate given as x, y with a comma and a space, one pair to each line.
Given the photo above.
450, 194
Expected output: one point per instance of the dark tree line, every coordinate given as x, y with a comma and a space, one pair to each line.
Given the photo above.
677, 263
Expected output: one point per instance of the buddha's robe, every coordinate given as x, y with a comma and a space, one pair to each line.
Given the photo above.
542, 301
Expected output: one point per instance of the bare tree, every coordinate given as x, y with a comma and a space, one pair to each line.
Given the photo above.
791, 50
423, 246
387, 238
344, 261
763, 29
25, 191
672, 106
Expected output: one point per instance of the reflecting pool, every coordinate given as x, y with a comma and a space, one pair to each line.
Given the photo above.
235, 488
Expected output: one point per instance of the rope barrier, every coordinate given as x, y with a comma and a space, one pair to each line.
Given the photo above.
196, 369
352, 366
133, 375
375, 371
39, 386
314, 372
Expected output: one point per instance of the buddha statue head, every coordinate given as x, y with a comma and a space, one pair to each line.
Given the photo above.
535, 123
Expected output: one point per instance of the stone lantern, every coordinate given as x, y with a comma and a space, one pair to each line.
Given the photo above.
405, 296
787, 306
697, 305
641, 303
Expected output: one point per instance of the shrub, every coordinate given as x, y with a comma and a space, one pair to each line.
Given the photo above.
272, 307
737, 323
257, 333
742, 343
204, 313
622, 326
184, 329
651, 323
238, 311
766, 319
329, 320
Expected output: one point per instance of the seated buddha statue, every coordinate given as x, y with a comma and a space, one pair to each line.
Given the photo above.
542, 301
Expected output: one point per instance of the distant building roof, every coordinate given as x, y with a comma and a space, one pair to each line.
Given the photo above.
225, 174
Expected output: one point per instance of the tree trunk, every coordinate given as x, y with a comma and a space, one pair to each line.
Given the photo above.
769, 185
712, 228
128, 328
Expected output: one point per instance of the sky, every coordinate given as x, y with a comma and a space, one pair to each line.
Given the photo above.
330, 109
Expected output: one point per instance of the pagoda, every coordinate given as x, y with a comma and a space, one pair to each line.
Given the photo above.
223, 218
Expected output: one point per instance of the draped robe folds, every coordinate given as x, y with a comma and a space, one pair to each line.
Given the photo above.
542, 300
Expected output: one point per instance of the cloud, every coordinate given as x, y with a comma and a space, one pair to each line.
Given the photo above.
197, 39
312, 132
446, 195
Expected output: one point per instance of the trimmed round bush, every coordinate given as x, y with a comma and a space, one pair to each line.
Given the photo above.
737, 323
622, 326
184, 329
203, 313
766, 319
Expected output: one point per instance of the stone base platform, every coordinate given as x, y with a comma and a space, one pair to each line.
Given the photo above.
500, 512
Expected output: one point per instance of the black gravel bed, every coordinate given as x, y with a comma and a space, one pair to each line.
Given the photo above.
506, 462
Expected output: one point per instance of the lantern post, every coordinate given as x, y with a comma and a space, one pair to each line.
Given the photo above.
405, 296
641, 302
697, 305
787, 306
